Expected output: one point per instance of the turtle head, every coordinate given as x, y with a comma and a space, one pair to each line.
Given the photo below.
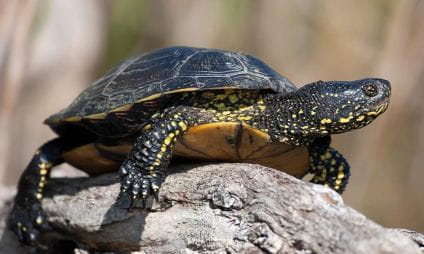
340, 106
324, 108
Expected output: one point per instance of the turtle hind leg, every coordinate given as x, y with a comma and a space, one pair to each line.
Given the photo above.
329, 167
26, 218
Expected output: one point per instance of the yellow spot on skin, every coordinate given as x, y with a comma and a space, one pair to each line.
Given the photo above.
345, 120
300, 112
174, 124
41, 184
340, 175
233, 98
24, 229
167, 140
43, 171
39, 196
322, 127
45, 165
182, 125
327, 155
245, 118
360, 118
313, 113
325, 120
293, 115
39, 220
333, 162
305, 127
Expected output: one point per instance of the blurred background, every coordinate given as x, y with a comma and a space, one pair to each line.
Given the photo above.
50, 50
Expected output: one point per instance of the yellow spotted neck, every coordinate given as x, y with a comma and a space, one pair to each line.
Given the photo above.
226, 105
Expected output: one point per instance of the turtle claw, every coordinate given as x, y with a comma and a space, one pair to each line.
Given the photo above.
139, 187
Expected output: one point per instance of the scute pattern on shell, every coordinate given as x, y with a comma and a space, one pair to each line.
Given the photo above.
172, 69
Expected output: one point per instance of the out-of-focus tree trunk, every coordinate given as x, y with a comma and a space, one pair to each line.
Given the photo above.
393, 147
60, 60
16, 18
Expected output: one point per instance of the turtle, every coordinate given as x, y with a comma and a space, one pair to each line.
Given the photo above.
197, 103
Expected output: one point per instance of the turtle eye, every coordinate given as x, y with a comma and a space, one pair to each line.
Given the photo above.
370, 90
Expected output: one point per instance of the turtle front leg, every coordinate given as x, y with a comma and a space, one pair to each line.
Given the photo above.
329, 167
144, 169
26, 218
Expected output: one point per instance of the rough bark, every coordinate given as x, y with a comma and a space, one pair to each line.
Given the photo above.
219, 208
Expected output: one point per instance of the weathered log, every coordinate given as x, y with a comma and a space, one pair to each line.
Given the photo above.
218, 208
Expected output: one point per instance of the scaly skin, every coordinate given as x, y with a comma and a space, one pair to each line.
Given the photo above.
329, 167
305, 117
144, 169
26, 218
293, 118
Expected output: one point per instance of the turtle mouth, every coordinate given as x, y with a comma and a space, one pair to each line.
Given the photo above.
368, 116
379, 108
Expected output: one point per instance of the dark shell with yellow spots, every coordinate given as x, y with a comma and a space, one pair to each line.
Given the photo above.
171, 70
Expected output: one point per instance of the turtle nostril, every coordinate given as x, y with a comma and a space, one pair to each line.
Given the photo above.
370, 90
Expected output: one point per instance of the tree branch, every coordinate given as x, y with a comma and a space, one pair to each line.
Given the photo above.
220, 208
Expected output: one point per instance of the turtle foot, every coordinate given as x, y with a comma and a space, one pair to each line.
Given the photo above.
27, 221
139, 186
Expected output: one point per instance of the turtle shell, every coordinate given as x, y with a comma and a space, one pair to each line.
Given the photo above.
171, 70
